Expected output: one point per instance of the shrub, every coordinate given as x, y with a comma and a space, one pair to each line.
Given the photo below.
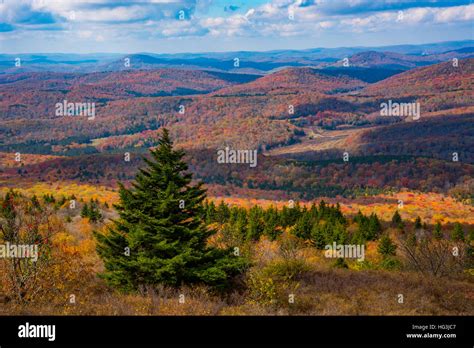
286, 269
390, 263
340, 263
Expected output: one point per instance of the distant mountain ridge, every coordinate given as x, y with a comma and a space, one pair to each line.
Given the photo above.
392, 60
393, 57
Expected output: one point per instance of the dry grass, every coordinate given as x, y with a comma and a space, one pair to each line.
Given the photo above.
319, 292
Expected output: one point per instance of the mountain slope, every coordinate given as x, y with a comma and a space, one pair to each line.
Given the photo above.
426, 81
34, 95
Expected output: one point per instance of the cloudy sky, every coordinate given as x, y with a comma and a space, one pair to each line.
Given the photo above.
168, 26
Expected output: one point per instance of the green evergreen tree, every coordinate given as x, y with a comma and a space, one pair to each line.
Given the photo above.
255, 224
317, 236
339, 233
286, 216
322, 209
396, 219
373, 227
357, 238
234, 214
437, 233
303, 226
222, 212
386, 246
156, 239
85, 211
271, 223
36, 203
94, 212
359, 217
363, 229
418, 224
313, 211
211, 213
458, 233
241, 223
296, 212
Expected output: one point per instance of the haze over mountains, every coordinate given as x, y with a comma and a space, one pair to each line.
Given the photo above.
393, 57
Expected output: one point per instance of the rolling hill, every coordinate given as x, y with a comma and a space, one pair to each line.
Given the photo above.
426, 81
294, 80
34, 95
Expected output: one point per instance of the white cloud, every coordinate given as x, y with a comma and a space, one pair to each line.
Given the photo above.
159, 17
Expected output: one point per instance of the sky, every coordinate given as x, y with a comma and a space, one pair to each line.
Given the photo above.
173, 26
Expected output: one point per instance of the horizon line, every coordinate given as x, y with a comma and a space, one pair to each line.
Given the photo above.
247, 51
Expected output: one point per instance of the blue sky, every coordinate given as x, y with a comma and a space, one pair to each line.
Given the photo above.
169, 26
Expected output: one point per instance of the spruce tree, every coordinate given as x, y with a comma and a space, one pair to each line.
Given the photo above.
222, 213
285, 216
241, 223
94, 212
386, 246
317, 236
313, 211
303, 226
210, 213
339, 233
418, 224
160, 236
85, 211
438, 234
458, 233
359, 217
255, 224
271, 223
35, 202
396, 219
373, 227
322, 209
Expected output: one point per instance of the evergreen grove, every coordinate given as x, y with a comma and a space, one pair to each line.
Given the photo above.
321, 223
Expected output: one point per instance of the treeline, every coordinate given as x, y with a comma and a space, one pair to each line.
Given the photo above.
320, 224
305, 180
